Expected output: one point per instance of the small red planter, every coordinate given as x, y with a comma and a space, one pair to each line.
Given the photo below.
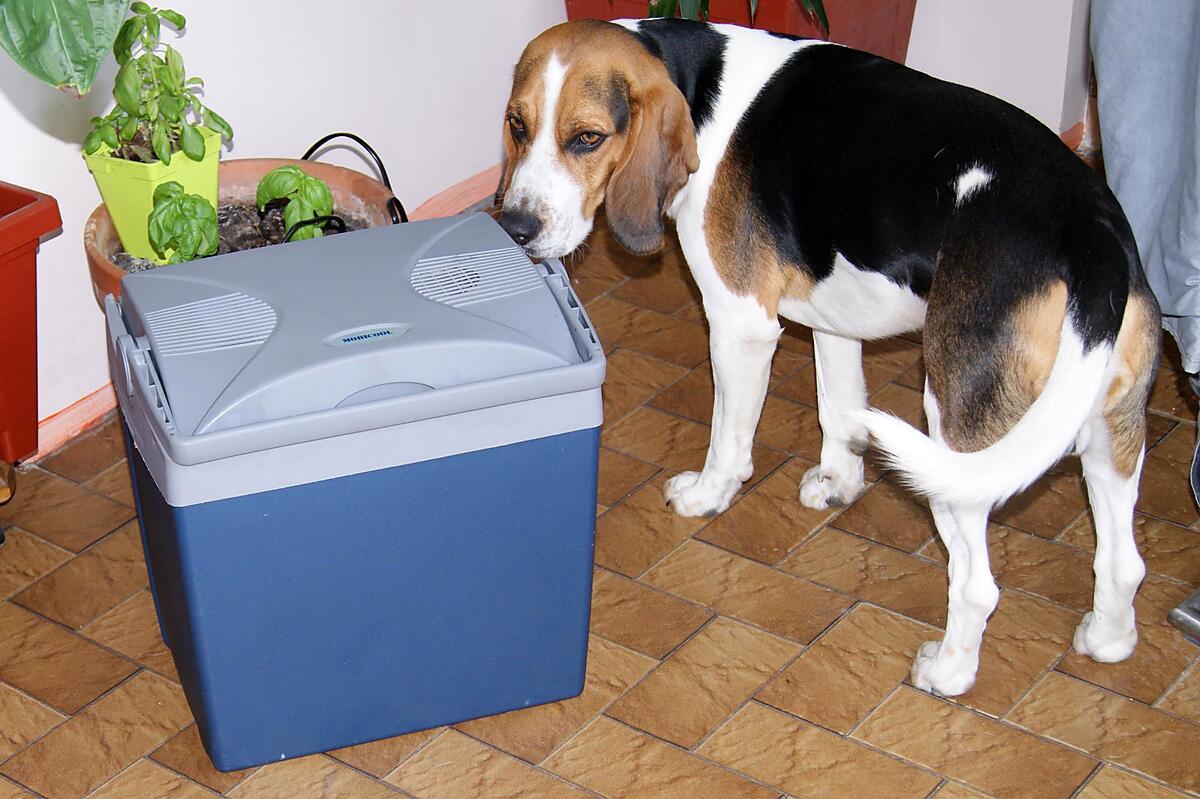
877, 26
25, 218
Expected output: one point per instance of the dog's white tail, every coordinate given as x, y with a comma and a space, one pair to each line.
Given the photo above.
1035, 443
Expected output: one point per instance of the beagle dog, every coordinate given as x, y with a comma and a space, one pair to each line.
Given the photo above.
862, 199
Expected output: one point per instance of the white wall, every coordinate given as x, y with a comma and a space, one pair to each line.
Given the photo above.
1032, 53
424, 82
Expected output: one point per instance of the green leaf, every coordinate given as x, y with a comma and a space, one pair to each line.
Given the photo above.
183, 225
194, 82
141, 8
92, 142
176, 19
299, 210
753, 10
317, 194
152, 27
174, 65
109, 136
123, 46
60, 42
689, 9
191, 142
129, 128
816, 8
167, 191
217, 123
277, 184
662, 8
127, 86
161, 141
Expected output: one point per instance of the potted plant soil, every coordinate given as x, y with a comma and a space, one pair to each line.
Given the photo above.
26, 217
882, 27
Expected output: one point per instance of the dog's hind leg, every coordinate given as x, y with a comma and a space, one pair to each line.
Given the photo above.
841, 390
948, 667
741, 344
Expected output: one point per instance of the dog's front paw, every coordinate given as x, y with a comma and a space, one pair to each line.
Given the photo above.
700, 494
1101, 645
827, 488
942, 676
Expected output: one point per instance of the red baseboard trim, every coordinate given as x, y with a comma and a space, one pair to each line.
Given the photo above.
56, 430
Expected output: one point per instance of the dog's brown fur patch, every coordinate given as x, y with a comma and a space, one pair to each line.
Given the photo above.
1135, 357
741, 250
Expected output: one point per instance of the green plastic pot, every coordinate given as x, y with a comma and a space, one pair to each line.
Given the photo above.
127, 188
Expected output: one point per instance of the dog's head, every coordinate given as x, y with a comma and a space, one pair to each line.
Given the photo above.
593, 118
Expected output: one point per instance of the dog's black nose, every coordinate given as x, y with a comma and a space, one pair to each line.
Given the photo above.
521, 225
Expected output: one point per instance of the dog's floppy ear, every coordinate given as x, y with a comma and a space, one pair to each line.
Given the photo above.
508, 167
659, 156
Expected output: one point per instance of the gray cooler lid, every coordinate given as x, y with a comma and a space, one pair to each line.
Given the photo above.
406, 315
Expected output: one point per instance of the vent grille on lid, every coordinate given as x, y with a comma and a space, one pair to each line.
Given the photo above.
219, 323
467, 278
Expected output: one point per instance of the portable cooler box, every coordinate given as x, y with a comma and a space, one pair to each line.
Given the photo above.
365, 471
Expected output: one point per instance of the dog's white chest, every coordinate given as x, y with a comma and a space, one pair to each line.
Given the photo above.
857, 304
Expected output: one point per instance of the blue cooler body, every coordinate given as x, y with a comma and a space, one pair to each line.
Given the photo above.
365, 470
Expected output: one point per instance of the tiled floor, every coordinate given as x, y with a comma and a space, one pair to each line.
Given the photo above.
760, 653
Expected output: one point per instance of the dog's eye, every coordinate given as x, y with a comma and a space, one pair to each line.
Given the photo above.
589, 139
518, 127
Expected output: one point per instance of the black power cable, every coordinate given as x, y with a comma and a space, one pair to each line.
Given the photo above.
337, 221
394, 206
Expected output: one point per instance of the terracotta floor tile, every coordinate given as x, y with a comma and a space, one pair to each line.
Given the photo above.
1157, 427
10, 790
1161, 656
145, 778
796, 338
22, 721
678, 444
640, 618
379, 758
52, 665
908, 585
905, 402
804, 760
455, 766
1022, 560
62, 512
312, 777
24, 558
92, 583
665, 289
974, 749
131, 629
850, 670
886, 359
533, 733
955, 790
691, 397
703, 682
1112, 783
619, 475
104, 739
615, 761
636, 533
1024, 637
743, 589
789, 427
1049, 505
89, 454
1164, 491
800, 387
633, 379
114, 483
1184, 697
676, 341
786, 365
890, 514
767, 522
589, 285
184, 753
1113, 728
1173, 396
1157, 596
692, 313
1167, 549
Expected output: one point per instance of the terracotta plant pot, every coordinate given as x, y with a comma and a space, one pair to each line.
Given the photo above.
877, 26
25, 217
354, 195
